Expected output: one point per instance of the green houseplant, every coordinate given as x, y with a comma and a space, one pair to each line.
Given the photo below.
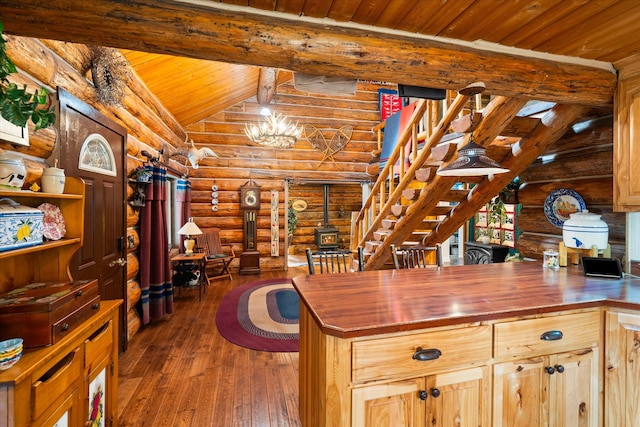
17, 105
292, 221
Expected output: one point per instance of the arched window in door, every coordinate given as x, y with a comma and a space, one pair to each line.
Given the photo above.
96, 156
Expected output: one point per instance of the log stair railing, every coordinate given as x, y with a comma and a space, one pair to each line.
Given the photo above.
413, 205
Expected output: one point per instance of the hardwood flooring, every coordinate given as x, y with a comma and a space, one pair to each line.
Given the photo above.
180, 371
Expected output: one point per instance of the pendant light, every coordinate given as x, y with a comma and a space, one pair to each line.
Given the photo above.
472, 160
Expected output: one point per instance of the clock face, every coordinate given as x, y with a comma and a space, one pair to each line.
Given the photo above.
250, 198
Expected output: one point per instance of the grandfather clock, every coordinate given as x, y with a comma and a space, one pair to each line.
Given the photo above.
250, 204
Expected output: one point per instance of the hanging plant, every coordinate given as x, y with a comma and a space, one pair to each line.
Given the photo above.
17, 105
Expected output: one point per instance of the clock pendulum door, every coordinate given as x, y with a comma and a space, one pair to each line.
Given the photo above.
250, 257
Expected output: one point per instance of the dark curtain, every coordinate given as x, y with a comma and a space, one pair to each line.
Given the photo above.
182, 207
155, 265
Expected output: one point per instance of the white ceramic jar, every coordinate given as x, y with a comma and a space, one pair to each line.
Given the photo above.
12, 171
584, 230
53, 180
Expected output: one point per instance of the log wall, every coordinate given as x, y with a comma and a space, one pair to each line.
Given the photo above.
582, 162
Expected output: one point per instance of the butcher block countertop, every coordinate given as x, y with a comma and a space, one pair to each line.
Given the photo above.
368, 303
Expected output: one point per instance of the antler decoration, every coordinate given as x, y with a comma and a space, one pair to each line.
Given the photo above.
339, 140
193, 154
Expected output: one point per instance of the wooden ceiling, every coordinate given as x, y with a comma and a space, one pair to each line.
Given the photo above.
591, 34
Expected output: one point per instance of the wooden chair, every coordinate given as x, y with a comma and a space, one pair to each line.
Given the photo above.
217, 260
338, 261
416, 256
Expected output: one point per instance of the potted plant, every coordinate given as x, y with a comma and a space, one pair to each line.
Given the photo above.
292, 222
509, 194
496, 212
17, 105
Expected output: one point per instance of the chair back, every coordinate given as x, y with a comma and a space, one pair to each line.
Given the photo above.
416, 256
210, 241
332, 261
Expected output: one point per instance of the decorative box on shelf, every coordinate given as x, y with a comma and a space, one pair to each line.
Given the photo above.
43, 313
20, 226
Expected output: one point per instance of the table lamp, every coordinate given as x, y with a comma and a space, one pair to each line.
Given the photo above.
189, 229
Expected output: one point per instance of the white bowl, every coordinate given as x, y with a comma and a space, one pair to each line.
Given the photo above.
9, 345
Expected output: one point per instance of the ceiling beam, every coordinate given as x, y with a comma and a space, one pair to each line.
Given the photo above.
207, 32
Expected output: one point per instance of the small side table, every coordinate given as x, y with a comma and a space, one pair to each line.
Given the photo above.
200, 258
564, 252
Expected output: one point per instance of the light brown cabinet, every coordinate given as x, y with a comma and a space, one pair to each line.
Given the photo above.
622, 370
540, 370
53, 383
626, 152
550, 372
76, 378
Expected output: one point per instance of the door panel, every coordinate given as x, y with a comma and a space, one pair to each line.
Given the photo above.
105, 222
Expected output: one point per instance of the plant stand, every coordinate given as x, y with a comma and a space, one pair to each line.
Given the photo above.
564, 251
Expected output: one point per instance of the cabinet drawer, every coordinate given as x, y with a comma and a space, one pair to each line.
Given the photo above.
50, 386
547, 335
98, 346
397, 356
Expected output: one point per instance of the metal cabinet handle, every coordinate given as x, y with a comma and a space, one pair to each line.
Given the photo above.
559, 369
426, 354
120, 262
551, 336
435, 392
550, 370
422, 394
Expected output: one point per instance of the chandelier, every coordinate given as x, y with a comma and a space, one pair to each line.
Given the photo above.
274, 131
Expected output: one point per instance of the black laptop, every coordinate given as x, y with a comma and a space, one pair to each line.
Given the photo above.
602, 267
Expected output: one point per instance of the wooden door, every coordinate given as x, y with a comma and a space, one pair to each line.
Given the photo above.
521, 393
389, 405
576, 389
458, 399
93, 147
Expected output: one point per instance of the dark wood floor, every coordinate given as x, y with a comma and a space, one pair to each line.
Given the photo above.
181, 372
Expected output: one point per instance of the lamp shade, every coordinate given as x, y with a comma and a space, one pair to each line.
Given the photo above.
190, 229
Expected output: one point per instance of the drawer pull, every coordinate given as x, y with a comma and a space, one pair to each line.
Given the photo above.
551, 336
65, 327
423, 355
550, 370
423, 394
435, 392
95, 306
559, 369
79, 293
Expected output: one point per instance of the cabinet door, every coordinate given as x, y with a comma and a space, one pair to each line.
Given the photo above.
458, 399
389, 405
99, 410
520, 393
622, 370
575, 388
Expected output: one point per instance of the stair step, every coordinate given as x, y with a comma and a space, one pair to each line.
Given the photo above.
398, 210
426, 174
370, 246
380, 234
411, 193
389, 223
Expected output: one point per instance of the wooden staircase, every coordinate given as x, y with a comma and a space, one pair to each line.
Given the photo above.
412, 204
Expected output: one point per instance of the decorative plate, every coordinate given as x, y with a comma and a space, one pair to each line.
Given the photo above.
53, 222
299, 205
560, 204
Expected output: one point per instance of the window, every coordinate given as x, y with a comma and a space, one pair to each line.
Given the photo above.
96, 156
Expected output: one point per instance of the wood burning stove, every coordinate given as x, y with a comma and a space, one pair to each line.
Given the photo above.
327, 235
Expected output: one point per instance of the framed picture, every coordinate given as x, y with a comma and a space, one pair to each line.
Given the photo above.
508, 221
481, 219
495, 236
508, 238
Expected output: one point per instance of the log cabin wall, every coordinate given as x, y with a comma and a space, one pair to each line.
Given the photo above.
582, 162
240, 160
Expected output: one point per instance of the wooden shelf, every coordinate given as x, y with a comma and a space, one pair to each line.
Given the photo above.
28, 193
50, 244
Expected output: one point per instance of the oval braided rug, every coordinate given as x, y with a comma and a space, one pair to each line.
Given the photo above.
261, 315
